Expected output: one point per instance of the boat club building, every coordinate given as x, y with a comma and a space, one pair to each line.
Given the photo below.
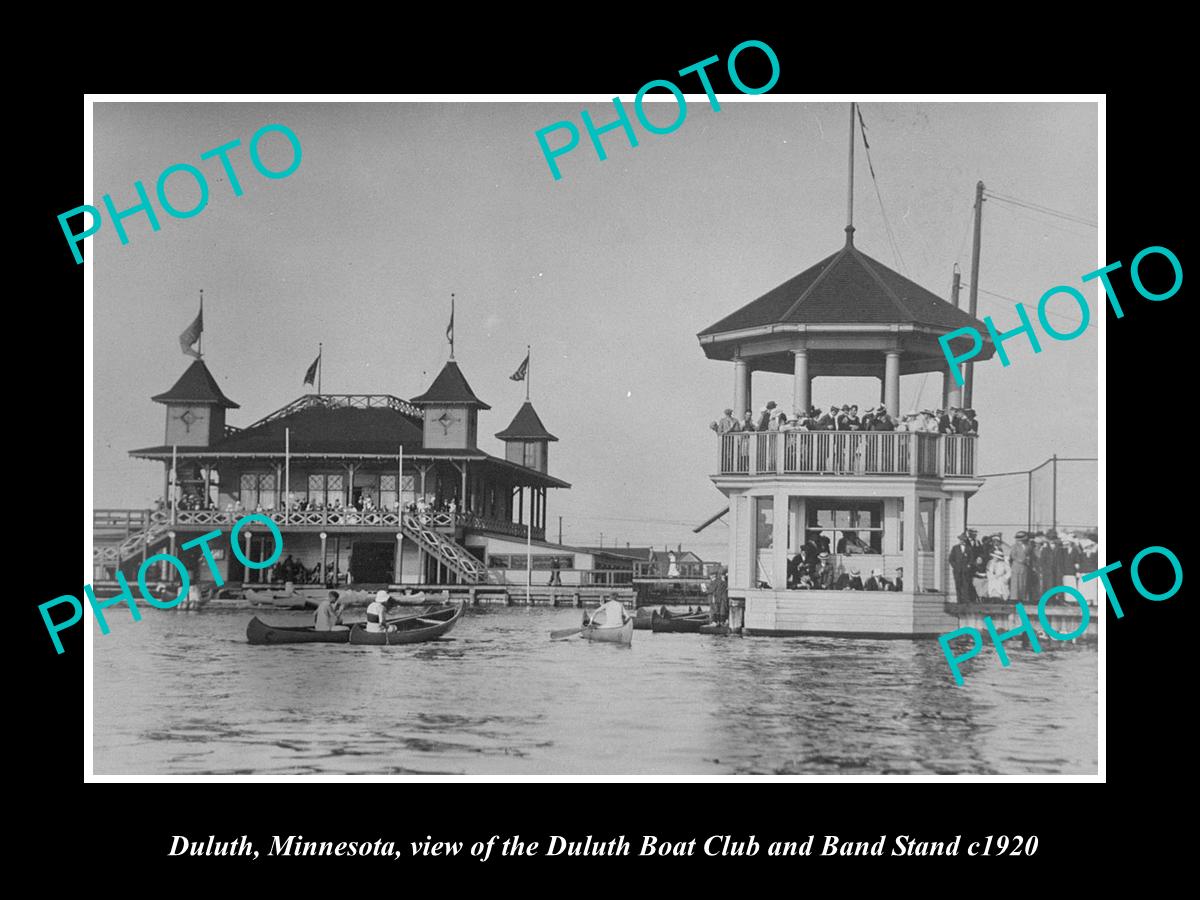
365, 488
889, 500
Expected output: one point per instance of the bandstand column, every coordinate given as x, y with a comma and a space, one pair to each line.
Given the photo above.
911, 551
951, 389
801, 386
741, 387
398, 567
891, 383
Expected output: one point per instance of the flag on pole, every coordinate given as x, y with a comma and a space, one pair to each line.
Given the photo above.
191, 334
519, 375
311, 375
450, 327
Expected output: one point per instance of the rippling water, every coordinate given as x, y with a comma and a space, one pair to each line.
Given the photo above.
183, 693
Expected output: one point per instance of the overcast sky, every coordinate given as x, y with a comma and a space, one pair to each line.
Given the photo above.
609, 273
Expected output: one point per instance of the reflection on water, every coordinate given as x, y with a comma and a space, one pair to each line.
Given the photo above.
183, 693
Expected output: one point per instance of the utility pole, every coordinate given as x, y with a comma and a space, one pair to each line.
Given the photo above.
560, 530
955, 286
969, 389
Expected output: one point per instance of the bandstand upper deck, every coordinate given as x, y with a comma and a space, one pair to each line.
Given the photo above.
886, 500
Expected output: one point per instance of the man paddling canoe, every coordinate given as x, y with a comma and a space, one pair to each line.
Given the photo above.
329, 613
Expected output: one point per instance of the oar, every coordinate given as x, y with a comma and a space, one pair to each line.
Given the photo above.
564, 633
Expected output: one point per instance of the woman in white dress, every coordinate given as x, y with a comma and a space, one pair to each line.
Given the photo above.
998, 575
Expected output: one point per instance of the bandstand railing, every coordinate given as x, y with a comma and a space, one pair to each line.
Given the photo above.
847, 453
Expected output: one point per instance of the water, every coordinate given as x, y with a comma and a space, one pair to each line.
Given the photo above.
183, 693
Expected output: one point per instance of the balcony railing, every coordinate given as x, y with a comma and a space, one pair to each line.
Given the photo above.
847, 453
341, 518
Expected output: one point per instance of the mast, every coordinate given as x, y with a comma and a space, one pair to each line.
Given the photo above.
850, 188
969, 387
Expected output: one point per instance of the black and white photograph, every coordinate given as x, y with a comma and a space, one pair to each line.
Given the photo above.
666, 437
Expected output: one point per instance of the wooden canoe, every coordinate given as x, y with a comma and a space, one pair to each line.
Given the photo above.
259, 632
678, 624
614, 634
645, 616
411, 630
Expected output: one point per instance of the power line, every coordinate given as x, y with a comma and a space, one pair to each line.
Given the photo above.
1015, 300
1037, 207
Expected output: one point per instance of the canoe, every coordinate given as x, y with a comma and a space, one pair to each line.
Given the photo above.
678, 624
610, 623
259, 632
719, 628
614, 634
645, 616
412, 630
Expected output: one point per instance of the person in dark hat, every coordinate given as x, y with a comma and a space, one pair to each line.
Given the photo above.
828, 421
764, 416
962, 564
882, 421
973, 423
1019, 567
823, 578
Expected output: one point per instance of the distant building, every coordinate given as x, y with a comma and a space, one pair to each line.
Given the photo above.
366, 488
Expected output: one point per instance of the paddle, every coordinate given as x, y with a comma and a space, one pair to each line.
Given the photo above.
564, 633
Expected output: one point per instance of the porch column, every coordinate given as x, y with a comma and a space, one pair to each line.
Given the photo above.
398, 567
324, 560
891, 383
801, 387
951, 390
910, 543
246, 569
779, 539
162, 572
741, 387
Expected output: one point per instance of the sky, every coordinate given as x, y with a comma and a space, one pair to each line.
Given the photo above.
609, 273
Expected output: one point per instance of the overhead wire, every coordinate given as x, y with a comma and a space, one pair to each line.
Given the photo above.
1037, 207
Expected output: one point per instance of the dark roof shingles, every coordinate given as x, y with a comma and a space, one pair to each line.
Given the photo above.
526, 426
196, 385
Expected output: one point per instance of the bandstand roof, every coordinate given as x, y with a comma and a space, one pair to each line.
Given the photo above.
834, 306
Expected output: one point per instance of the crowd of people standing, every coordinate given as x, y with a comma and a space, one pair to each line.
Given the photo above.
990, 569
954, 420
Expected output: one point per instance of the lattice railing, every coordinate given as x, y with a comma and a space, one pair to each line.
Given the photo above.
343, 401
452, 555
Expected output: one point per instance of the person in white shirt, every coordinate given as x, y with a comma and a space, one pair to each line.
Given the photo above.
377, 612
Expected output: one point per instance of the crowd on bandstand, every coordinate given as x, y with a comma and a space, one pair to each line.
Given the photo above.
813, 568
989, 569
954, 420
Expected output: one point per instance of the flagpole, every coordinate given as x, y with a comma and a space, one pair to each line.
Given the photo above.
287, 473
529, 550
200, 346
452, 326
528, 371
320, 365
